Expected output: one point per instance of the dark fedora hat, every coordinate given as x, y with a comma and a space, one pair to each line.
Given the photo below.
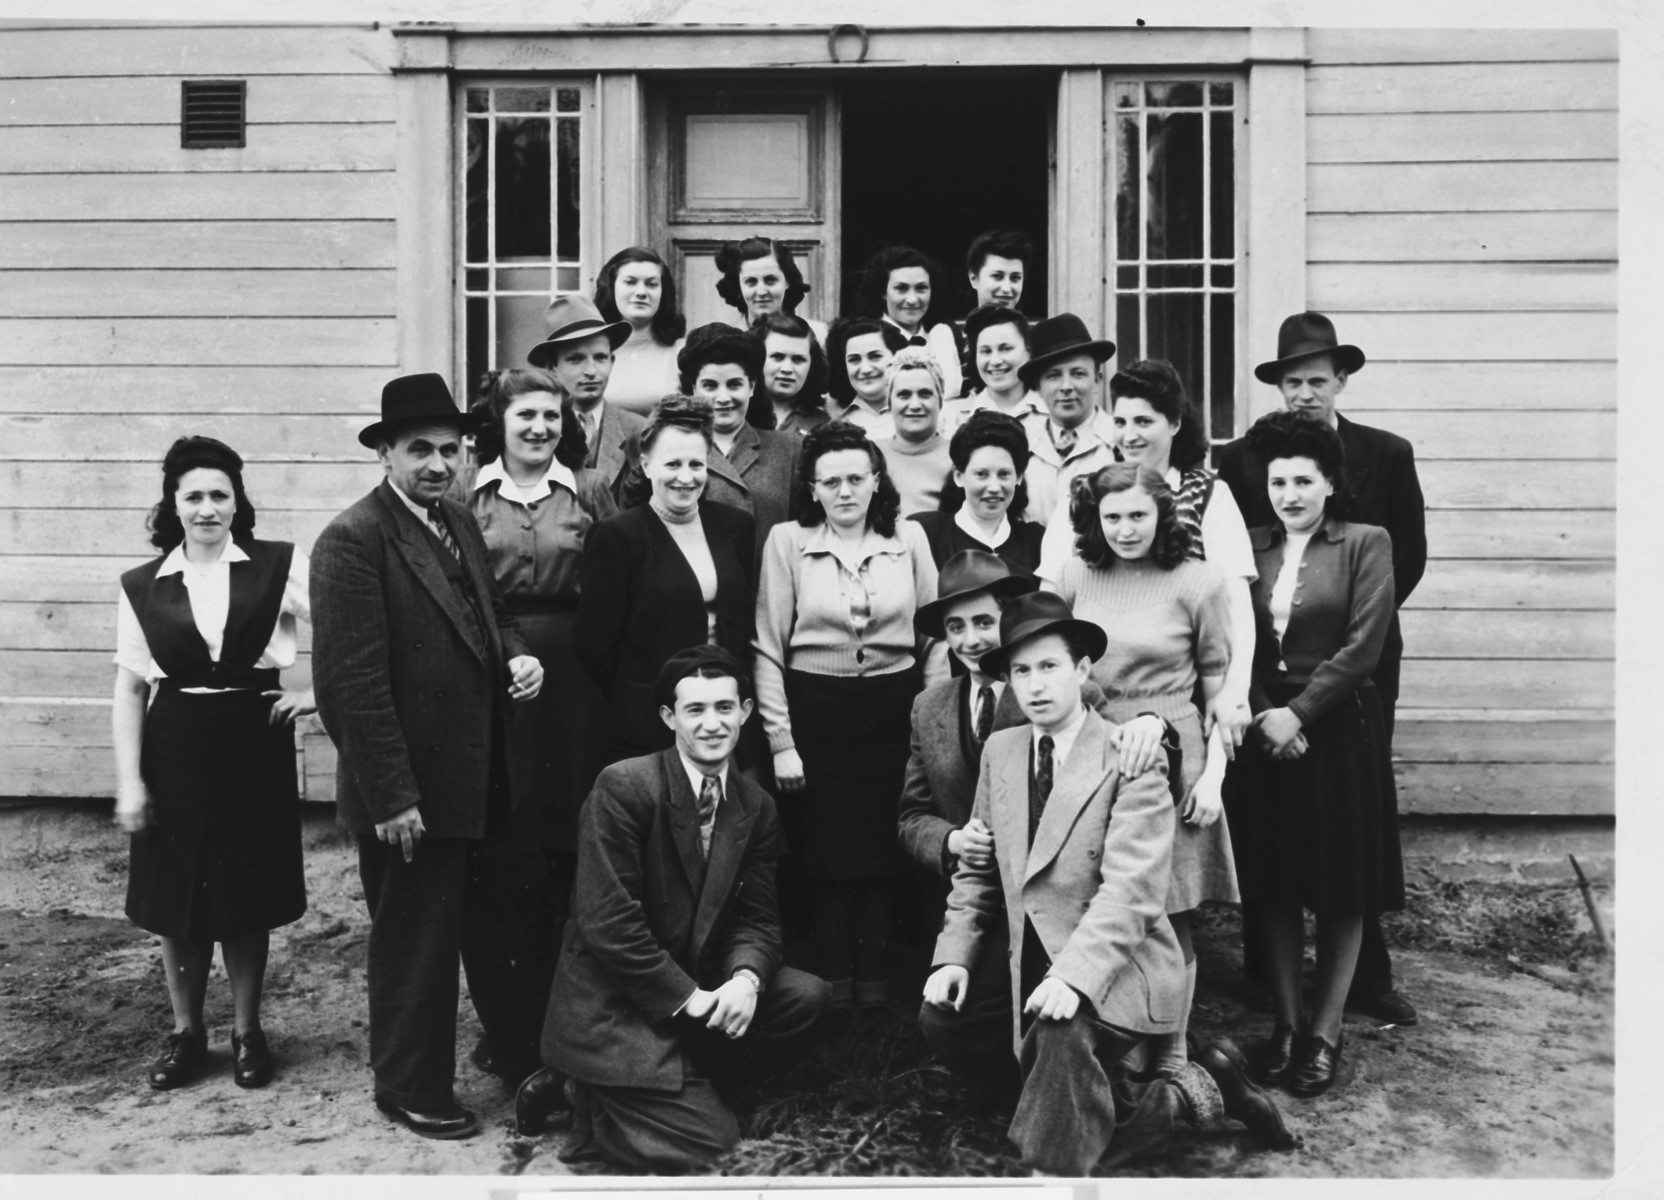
424, 398
570, 318
1036, 613
1302, 336
966, 574
1062, 336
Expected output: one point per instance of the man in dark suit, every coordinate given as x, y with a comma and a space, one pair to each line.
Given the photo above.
670, 978
413, 655
578, 352
1311, 370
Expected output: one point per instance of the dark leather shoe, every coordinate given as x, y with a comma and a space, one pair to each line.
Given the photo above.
1315, 1072
251, 1059
1389, 1007
541, 1096
480, 1056
1275, 1058
1244, 1101
179, 1062
447, 1123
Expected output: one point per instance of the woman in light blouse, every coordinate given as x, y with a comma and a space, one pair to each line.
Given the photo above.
858, 355
904, 288
760, 277
917, 456
1310, 796
837, 665
205, 750
636, 286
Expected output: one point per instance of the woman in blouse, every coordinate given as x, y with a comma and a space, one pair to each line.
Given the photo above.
675, 572
917, 456
901, 286
1310, 797
858, 354
760, 277
794, 372
1169, 629
205, 750
837, 669
636, 286
989, 454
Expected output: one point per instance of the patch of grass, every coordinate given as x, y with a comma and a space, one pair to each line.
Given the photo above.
1500, 923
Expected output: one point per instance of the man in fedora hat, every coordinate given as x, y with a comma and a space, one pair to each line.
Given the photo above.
1311, 370
1079, 877
1073, 436
413, 655
670, 980
578, 352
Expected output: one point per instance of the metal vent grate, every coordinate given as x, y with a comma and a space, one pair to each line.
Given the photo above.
211, 115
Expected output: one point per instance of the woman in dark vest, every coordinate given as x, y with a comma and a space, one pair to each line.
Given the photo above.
205, 749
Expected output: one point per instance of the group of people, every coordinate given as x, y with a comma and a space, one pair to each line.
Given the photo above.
663, 620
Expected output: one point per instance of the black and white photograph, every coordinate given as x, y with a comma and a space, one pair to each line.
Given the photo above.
801, 591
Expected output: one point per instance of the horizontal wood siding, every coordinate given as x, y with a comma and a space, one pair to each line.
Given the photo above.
147, 292
1462, 229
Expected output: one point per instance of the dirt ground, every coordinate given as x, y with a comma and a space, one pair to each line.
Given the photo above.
1509, 1073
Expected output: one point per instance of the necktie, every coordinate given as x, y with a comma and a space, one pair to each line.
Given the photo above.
443, 533
709, 793
1042, 788
1063, 440
984, 712
587, 420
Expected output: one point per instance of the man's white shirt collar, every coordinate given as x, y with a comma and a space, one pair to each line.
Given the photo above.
1063, 741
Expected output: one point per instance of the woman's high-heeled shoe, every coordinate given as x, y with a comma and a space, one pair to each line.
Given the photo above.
179, 1062
1317, 1067
1275, 1058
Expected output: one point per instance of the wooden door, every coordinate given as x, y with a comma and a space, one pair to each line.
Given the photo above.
730, 163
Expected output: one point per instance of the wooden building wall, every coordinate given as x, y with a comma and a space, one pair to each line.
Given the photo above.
1462, 228
147, 292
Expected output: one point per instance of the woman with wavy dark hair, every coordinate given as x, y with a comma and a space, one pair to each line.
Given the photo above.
989, 453
837, 666
794, 372
205, 750
906, 289
1310, 796
760, 277
636, 285
859, 351
1169, 632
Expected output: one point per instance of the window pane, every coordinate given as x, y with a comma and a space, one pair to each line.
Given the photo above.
1223, 167
1126, 95
1174, 222
1220, 93
1175, 323
566, 279
566, 100
1126, 278
522, 188
1222, 400
1224, 277
523, 279
1176, 277
523, 99
1126, 330
1129, 177
476, 280
566, 191
477, 320
474, 175
1173, 95
519, 327
479, 100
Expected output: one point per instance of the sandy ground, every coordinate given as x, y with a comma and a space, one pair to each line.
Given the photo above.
1509, 1073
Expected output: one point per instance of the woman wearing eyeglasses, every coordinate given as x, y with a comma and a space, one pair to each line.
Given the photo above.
837, 666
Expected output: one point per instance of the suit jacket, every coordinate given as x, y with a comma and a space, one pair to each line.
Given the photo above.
1094, 885
651, 920
639, 603
405, 683
617, 449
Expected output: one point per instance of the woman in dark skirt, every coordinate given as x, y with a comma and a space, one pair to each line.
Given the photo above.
205, 749
1310, 796
837, 667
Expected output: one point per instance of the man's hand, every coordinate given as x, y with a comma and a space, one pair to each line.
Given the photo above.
1279, 727
1053, 1000
730, 1007
974, 843
402, 829
527, 677
1138, 742
946, 987
1291, 751
788, 771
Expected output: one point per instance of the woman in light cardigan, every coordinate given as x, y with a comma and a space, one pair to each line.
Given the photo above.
837, 667
917, 456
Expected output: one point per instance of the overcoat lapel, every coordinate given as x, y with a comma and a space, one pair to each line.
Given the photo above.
746, 450
684, 819
732, 467
1084, 771
728, 841
418, 548
1009, 807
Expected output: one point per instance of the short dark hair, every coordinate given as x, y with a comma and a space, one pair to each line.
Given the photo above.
875, 281
701, 662
1004, 243
1172, 541
499, 389
809, 396
1290, 435
987, 316
1155, 381
668, 323
829, 439
843, 331
675, 411
987, 428
734, 255
186, 455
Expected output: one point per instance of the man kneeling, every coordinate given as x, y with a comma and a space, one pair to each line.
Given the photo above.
670, 975
1080, 870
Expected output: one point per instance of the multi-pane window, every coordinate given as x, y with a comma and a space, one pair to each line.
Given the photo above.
521, 158
1176, 243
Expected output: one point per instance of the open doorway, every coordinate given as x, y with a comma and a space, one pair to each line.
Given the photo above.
932, 160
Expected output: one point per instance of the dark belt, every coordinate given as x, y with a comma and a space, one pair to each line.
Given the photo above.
263, 679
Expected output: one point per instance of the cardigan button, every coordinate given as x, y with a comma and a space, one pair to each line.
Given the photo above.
1297, 600
860, 656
